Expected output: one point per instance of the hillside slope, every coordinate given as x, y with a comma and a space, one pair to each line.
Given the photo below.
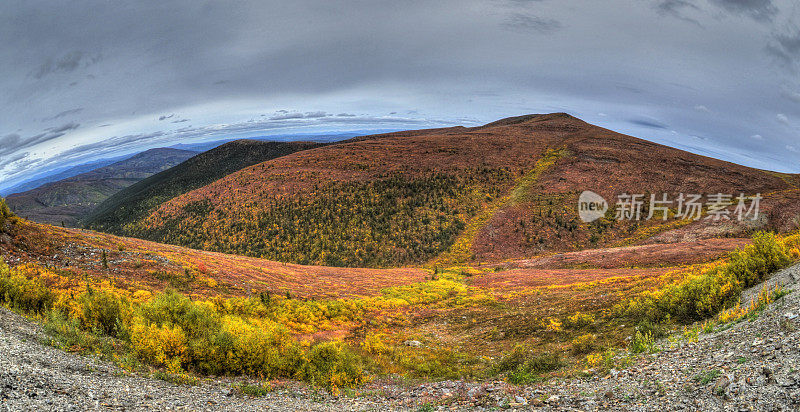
139, 199
69, 200
505, 190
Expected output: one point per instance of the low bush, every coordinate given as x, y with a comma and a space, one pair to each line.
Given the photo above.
104, 311
21, 293
706, 292
523, 366
333, 365
259, 350
160, 345
583, 344
642, 342
579, 320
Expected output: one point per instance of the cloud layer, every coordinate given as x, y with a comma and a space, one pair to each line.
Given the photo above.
89, 78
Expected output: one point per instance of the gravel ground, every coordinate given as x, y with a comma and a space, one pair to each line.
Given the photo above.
752, 366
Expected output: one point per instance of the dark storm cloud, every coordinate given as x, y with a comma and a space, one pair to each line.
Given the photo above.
165, 117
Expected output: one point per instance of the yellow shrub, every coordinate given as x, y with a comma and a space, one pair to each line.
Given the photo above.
332, 365
159, 345
554, 325
594, 360
142, 296
580, 320
261, 351
374, 343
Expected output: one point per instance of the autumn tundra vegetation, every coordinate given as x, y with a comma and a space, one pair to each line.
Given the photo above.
439, 254
269, 336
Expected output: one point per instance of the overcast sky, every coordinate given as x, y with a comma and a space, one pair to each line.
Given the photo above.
87, 79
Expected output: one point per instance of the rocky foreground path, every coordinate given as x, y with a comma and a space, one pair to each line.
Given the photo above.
752, 366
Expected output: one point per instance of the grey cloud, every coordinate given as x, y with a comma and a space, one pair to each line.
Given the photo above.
64, 127
65, 113
650, 123
677, 9
14, 158
757, 9
529, 22
14, 142
315, 115
113, 144
9, 141
790, 94
287, 116
180, 121
165, 117
66, 63
786, 47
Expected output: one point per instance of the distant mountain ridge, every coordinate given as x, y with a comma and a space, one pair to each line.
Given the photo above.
63, 173
68, 200
139, 199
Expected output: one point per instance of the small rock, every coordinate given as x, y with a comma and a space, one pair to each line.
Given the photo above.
553, 399
520, 400
721, 385
413, 343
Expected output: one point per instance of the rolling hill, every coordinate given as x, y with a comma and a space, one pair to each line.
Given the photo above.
69, 200
505, 190
137, 200
59, 174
